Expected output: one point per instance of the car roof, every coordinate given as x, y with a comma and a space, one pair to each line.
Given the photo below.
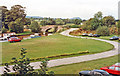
117, 64
114, 36
100, 71
13, 37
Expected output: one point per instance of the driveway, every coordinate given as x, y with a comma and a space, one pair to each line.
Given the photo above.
78, 59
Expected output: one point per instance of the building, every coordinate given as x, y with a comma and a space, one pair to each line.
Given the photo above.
119, 10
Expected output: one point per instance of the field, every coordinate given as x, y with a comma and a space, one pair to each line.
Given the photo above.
52, 45
89, 65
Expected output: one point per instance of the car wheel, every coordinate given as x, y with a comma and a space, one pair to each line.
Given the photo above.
81, 75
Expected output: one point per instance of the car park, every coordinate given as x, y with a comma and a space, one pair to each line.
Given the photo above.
14, 39
90, 35
84, 34
114, 69
114, 38
94, 73
3, 38
96, 35
34, 36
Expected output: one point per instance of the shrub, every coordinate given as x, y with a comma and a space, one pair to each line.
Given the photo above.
54, 56
103, 31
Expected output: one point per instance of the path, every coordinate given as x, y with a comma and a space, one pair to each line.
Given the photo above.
77, 59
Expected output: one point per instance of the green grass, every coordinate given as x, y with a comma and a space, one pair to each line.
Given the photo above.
89, 65
24, 33
52, 45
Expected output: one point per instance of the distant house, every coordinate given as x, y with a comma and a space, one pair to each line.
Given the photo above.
7, 34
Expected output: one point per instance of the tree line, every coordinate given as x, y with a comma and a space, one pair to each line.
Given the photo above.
99, 20
56, 21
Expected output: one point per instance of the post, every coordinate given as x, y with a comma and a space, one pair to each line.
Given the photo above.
1, 33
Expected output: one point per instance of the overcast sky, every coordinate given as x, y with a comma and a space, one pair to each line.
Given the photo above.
66, 8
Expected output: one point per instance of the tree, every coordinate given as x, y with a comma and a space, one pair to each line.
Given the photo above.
118, 24
59, 21
35, 27
16, 26
5, 17
98, 15
103, 30
43, 23
95, 23
17, 11
27, 21
77, 21
108, 20
10, 16
4, 30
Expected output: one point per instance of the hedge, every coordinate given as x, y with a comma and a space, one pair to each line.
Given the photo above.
54, 56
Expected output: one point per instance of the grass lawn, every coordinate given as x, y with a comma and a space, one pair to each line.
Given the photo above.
52, 45
89, 65
24, 33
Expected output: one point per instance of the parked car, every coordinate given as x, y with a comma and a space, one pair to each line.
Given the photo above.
114, 38
3, 38
94, 73
84, 34
35, 36
90, 35
14, 39
96, 35
114, 69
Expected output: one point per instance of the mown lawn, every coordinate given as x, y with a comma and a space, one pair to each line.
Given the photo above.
89, 65
24, 33
52, 45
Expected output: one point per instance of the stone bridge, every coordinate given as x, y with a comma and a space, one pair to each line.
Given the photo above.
48, 27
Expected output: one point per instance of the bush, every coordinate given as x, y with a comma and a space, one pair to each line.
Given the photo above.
103, 31
54, 56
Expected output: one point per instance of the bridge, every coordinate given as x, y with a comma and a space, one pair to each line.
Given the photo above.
48, 27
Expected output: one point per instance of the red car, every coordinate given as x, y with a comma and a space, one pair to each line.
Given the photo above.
114, 69
14, 39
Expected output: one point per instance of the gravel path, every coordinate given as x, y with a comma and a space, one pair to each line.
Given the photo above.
77, 59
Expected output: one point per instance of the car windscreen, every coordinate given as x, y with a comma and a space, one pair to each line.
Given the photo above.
117, 68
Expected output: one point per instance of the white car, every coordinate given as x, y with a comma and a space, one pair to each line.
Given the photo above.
3, 38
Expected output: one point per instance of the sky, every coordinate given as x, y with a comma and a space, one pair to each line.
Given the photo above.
84, 9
